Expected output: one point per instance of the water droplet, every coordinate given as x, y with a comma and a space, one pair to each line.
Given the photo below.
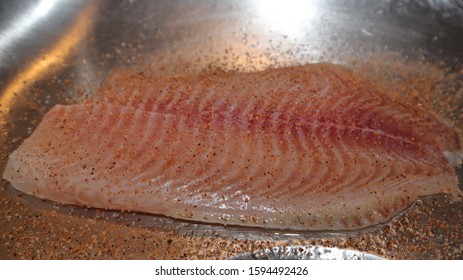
366, 33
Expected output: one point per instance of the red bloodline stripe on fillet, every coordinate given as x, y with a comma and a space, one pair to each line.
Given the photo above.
402, 139
394, 143
356, 88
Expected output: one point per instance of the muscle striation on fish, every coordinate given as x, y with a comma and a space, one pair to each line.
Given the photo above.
311, 147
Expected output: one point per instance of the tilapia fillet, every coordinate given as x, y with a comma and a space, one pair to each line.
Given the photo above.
305, 148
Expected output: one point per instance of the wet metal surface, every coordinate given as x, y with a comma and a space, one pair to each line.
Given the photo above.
306, 253
60, 51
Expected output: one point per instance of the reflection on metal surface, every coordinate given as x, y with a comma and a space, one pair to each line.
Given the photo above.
53, 58
306, 253
289, 17
22, 25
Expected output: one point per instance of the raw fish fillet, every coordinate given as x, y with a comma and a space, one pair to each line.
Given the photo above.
304, 148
